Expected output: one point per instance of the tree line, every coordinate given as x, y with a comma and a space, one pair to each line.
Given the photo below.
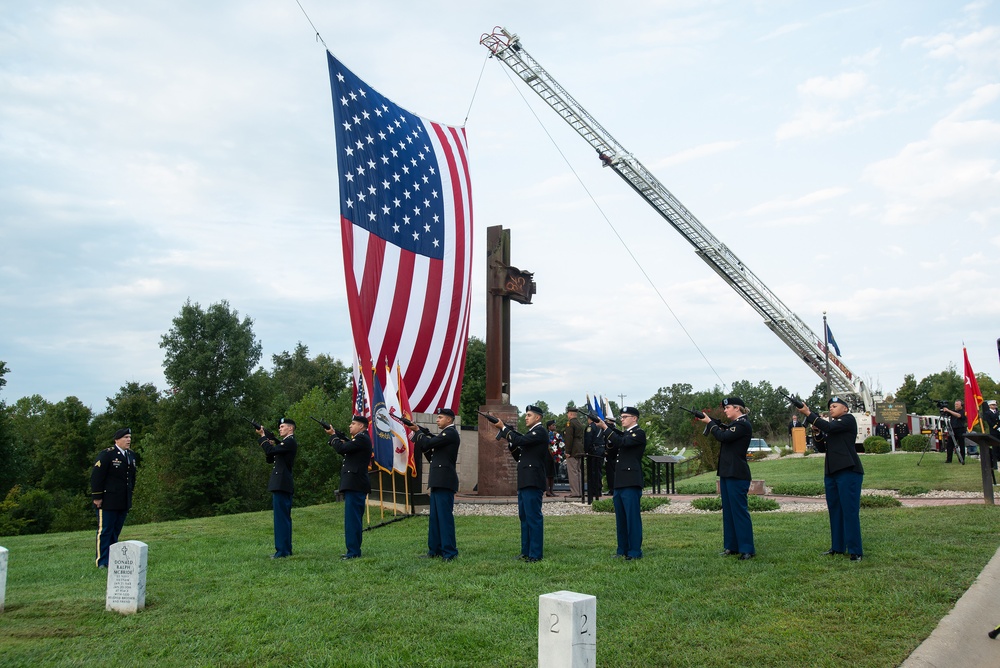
199, 456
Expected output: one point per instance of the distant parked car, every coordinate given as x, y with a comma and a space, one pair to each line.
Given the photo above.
758, 445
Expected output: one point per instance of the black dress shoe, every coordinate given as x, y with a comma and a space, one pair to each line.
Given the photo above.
345, 557
429, 556
855, 557
728, 553
447, 558
532, 560
617, 556
521, 557
746, 555
830, 552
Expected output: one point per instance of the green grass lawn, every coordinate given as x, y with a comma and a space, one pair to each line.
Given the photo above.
214, 598
889, 471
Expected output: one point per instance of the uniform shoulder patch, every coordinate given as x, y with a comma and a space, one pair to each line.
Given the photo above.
97, 464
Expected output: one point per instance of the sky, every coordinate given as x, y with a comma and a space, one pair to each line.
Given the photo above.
158, 152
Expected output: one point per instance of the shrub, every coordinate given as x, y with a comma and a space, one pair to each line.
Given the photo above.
879, 501
914, 443
758, 504
876, 445
646, 504
912, 490
799, 489
696, 488
754, 503
713, 503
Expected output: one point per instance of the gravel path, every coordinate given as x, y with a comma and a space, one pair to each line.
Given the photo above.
682, 505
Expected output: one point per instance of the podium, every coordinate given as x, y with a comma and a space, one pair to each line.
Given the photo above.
799, 439
985, 443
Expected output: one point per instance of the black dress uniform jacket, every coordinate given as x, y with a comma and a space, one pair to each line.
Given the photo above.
628, 448
530, 451
735, 440
841, 433
357, 454
282, 456
112, 478
442, 453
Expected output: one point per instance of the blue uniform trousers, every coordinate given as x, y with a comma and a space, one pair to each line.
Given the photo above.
441, 531
843, 502
354, 509
628, 521
281, 504
737, 530
529, 511
109, 527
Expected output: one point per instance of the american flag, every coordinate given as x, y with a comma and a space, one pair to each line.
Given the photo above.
406, 223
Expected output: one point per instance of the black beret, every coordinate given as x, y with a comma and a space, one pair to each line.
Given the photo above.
630, 410
287, 421
360, 418
445, 411
837, 400
733, 401
571, 409
531, 408
122, 433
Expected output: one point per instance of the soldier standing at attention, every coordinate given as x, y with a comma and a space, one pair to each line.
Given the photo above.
112, 480
530, 451
842, 477
627, 445
281, 486
354, 481
442, 479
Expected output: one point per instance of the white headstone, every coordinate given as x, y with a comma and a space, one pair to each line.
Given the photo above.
567, 630
3, 575
127, 577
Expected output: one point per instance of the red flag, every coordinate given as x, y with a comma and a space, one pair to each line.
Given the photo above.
404, 408
406, 224
973, 397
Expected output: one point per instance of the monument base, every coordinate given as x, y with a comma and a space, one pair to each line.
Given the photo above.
497, 469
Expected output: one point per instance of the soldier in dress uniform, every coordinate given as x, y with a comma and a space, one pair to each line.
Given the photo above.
843, 475
354, 481
281, 485
734, 477
991, 417
530, 450
627, 446
442, 479
112, 480
593, 445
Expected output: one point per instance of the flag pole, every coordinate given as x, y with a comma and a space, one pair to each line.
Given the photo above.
826, 347
393, 476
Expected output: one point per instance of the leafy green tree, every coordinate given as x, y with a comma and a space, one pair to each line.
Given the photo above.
295, 374
65, 447
134, 406
473, 380
11, 468
202, 451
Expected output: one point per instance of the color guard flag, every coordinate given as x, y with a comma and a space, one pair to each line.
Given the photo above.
404, 407
406, 224
973, 397
400, 443
381, 425
832, 341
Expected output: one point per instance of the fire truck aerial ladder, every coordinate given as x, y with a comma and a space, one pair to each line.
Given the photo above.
811, 349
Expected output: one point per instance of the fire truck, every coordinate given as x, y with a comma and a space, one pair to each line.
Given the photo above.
786, 325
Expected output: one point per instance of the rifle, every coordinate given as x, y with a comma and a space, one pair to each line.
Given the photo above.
492, 420
792, 400
413, 425
697, 414
257, 427
325, 425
